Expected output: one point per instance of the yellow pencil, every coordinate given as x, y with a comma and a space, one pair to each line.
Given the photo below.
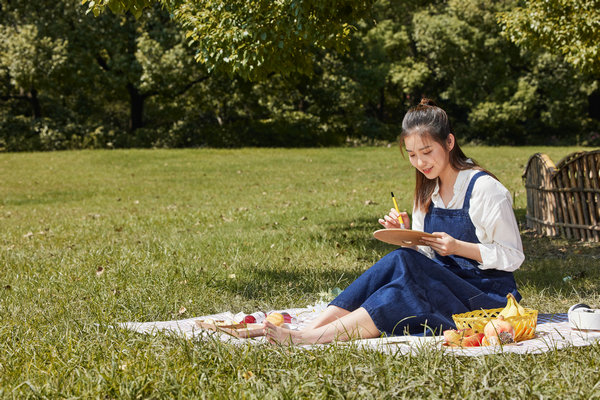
397, 209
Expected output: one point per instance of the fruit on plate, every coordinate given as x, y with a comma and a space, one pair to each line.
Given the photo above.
474, 340
255, 318
499, 331
462, 338
275, 318
513, 308
454, 337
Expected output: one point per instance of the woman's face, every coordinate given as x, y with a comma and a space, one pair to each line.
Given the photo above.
427, 155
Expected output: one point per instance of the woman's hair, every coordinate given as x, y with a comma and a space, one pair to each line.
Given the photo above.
427, 119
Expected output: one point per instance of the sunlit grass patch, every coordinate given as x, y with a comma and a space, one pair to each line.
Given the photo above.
90, 239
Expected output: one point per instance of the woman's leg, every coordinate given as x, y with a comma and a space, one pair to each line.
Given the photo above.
354, 325
389, 268
330, 314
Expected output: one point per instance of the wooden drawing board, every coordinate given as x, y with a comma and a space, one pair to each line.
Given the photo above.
401, 237
236, 330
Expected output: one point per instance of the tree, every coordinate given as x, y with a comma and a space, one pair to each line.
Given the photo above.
30, 61
256, 38
569, 28
84, 72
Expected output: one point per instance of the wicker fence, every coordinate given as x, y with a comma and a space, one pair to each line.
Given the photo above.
564, 198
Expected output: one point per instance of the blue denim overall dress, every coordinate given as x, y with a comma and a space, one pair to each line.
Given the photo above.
407, 292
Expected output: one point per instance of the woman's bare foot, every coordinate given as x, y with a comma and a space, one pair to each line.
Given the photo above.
355, 325
279, 335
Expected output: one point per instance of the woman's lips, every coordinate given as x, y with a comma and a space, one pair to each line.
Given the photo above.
427, 170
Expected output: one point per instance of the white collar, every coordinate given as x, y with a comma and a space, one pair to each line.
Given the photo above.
460, 184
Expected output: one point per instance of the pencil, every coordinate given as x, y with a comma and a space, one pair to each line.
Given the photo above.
395, 203
397, 209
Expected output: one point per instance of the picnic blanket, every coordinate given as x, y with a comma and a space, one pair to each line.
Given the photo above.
553, 332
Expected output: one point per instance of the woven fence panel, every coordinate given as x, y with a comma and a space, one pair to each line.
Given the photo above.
564, 198
541, 199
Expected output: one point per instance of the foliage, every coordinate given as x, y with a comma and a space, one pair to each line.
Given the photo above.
256, 38
569, 28
70, 80
94, 238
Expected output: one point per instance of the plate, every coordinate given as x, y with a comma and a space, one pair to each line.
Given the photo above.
401, 237
236, 330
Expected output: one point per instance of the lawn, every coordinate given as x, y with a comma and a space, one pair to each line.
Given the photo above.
92, 238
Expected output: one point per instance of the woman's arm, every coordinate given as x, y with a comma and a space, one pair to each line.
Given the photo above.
446, 245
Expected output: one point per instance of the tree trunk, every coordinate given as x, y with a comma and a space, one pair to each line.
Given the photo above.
34, 100
136, 107
381, 105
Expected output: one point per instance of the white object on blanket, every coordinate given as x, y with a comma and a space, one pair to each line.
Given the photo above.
582, 317
553, 332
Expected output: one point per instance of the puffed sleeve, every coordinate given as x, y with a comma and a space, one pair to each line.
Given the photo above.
496, 226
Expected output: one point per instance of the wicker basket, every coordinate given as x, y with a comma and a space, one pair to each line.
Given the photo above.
524, 324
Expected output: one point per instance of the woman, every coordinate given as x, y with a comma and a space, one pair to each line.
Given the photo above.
466, 266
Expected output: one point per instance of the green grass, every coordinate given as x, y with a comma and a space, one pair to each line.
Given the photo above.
92, 238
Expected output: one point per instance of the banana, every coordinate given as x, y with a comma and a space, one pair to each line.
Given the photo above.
512, 307
521, 309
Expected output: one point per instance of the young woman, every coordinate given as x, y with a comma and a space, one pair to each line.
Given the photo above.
467, 265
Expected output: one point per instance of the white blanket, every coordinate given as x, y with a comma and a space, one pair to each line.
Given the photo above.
553, 332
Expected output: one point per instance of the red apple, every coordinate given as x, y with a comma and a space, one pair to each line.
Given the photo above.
473, 340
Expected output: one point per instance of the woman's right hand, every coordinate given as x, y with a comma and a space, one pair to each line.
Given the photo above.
392, 220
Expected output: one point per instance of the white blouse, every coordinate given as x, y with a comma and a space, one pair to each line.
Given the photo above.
492, 214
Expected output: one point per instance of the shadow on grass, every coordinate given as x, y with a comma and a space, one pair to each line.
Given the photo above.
267, 282
559, 264
357, 234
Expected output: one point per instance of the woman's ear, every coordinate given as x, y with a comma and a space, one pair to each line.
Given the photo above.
450, 141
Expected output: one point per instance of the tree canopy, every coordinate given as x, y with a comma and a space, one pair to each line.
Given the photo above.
255, 38
69, 79
570, 28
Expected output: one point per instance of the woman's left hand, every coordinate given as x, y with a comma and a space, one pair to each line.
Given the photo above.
442, 243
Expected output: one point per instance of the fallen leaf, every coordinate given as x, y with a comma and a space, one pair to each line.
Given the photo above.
226, 219
99, 271
28, 235
182, 310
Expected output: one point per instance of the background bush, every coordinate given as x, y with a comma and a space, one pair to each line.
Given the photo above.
69, 80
